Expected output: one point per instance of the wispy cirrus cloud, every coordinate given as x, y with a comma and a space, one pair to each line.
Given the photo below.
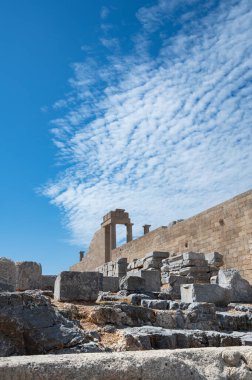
162, 136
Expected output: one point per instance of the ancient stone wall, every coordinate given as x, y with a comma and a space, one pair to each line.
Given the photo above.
95, 255
226, 228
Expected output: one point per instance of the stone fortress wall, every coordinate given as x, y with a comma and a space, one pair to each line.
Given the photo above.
225, 228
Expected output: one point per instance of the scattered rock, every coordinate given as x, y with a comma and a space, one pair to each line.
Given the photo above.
30, 325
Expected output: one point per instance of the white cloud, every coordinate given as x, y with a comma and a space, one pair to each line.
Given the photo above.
162, 137
104, 13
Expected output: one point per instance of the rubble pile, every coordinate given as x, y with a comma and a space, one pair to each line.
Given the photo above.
189, 264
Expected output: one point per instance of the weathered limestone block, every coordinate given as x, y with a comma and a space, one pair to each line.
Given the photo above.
201, 274
211, 293
28, 275
108, 297
153, 260
116, 268
175, 260
234, 321
152, 279
47, 282
201, 315
194, 259
152, 263
150, 337
157, 255
155, 304
175, 281
110, 284
132, 284
77, 286
7, 275
240, 289
193, 256
166, 319
214, 259
121, 267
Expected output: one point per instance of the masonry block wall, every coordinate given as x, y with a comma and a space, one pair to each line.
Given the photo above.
96, 254
226, 228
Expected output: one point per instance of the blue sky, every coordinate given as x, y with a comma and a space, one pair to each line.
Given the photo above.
142, 105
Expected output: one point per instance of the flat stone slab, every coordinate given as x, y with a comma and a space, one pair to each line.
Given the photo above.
157, 255
196, 364
150, 337
77, 286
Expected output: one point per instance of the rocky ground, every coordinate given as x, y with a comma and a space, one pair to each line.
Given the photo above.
32, 323
119, 323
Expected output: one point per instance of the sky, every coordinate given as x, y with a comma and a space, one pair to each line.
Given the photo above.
141, 105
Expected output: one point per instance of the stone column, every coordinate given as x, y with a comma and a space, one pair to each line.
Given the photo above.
81, 255
107, 243
129, 231
112, 236
146, 228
